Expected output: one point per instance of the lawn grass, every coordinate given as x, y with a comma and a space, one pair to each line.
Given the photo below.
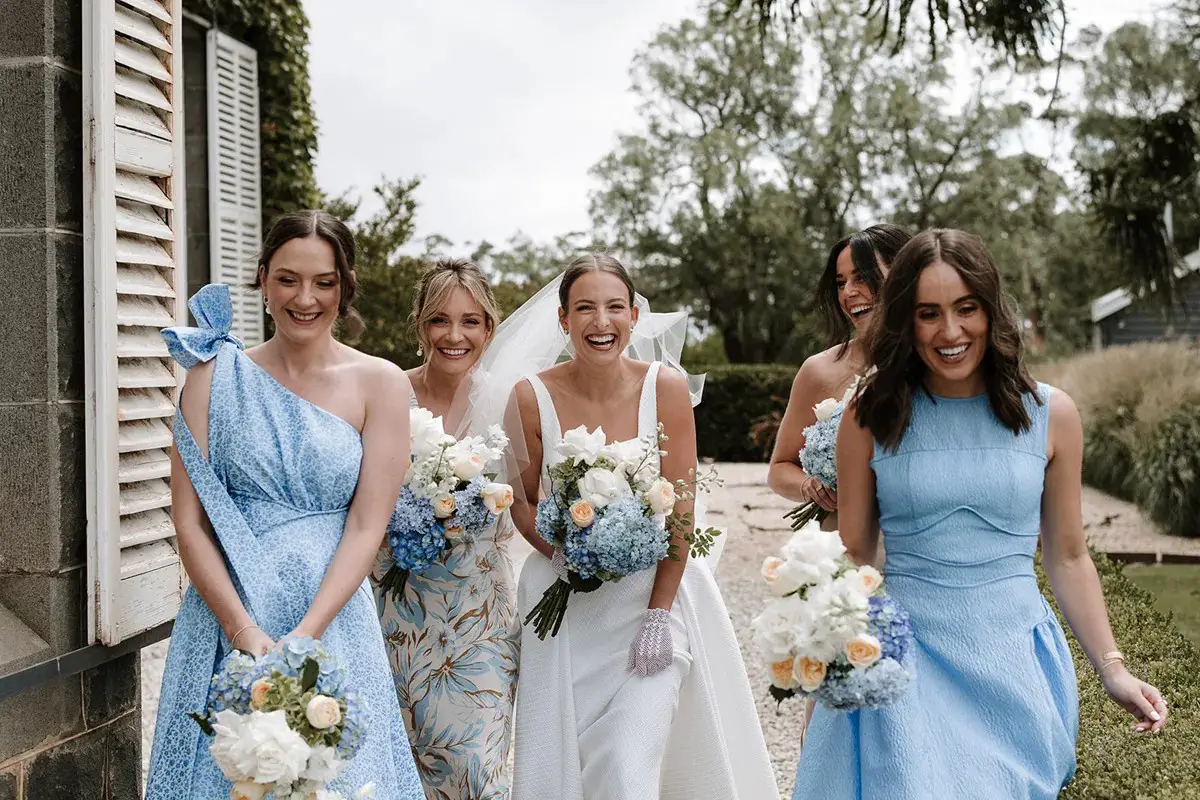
1176, 590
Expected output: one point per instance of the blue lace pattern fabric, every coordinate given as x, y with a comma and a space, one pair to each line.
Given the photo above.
993, 713
276, 487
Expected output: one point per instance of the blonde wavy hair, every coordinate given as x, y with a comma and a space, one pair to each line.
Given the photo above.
437, 284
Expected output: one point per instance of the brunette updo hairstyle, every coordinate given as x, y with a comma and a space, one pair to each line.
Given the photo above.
325, 226
592, 262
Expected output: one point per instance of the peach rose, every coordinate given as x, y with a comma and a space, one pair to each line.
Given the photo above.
258, 692
783, 673
444, 506
870, 579
248, 790
323, 712
810, 673
770, 569
582, 513
497, 497
863, 651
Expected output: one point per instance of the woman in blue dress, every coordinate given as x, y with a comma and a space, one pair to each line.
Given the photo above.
288, 460
961, 460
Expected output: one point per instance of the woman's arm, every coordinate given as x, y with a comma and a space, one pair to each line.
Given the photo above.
522, 420
385, 461
786, 477
858, 512
1071, 571
679, 424
198, 549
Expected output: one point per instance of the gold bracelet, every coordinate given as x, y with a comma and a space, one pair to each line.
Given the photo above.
233, 639
1108, 659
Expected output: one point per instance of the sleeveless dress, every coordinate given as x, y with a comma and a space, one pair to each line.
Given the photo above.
453, 640
586, 727
276, 486
993, 713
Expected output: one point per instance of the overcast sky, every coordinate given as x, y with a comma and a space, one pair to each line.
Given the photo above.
501, 106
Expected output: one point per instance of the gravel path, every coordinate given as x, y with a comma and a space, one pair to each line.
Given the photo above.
753, 520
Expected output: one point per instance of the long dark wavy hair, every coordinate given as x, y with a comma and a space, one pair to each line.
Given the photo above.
885, 400
883, 241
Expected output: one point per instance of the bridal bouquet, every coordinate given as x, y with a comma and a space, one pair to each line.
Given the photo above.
284, 723
831, 631
611, 512
447, 493
819, 454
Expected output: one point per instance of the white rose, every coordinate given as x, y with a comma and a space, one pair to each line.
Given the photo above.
868, 579
323, 765
467, 465
817, 555
661, 496
825, 409
229, 727
628, 453
426, 431
366, 793
770, 569
497, 497
601, 487
444, 505
323, 712
581, 445
270, 751
863, 651
248, 790
775, 628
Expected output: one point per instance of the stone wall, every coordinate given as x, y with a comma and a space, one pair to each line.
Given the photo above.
71, 737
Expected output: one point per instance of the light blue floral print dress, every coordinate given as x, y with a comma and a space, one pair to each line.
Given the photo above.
276, 487
453, 639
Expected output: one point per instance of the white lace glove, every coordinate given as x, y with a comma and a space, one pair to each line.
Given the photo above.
559, 563
652, 651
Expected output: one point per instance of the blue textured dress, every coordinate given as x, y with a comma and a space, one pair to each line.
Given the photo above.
276, 487
993, 713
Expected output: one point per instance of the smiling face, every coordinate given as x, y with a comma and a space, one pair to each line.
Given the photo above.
302, 289
456, 334
853, 293
950, 329
599, 317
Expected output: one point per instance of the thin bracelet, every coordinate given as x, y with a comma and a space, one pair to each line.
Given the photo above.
233, 639
1108, 659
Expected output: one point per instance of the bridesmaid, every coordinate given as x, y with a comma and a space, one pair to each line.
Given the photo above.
288, 460
846, 297
962, 459
453, 637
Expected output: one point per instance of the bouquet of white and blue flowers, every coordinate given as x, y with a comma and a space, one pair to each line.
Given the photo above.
448, 494
611, 512
284, 724
831, 631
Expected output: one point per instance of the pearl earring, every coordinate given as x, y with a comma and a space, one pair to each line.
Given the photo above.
420, 351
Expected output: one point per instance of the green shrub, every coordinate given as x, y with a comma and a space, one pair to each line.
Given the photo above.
1169, 472
736, 397
1114, 762
1107, 456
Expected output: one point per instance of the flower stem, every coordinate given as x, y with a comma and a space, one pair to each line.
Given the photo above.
394, 581
548, 614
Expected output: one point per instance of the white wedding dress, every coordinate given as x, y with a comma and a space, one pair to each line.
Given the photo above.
589, 729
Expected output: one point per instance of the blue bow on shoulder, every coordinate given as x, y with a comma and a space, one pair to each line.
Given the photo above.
213, 310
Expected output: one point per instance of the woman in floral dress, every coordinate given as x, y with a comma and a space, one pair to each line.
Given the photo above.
453, 635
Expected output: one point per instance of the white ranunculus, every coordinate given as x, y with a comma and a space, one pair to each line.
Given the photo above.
229, 728
825, 409
601, 487
467, 465
269, 751
581, 445
323, 712
323, 765
661, 497
426, 431
497, 497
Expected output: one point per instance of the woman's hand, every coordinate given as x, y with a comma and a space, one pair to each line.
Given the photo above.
816, 492
254, 642
1137, 697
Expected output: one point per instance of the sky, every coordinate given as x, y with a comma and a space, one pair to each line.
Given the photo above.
500, 106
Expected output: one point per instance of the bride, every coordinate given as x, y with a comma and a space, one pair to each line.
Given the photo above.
642, 693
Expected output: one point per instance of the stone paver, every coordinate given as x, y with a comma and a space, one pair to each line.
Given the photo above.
752, 517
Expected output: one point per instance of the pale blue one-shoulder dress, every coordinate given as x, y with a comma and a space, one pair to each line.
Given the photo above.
993, 713
276, 485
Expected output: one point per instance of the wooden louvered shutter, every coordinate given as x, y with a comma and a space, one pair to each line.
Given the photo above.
134, 275
234, 178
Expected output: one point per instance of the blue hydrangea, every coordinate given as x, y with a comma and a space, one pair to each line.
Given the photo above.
354, 726
578, 551
819, 456
624, 540
230, 686
417, 538
471, 514
551, 521
889, 623
879, 685
289, 657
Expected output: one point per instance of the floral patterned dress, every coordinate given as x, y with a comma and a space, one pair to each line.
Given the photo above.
453, 639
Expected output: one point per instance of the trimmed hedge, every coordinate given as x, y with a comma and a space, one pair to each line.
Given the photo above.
1141, 418
736, 398
1114, 762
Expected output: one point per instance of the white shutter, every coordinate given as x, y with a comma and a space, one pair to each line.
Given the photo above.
234, 179
134, 278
